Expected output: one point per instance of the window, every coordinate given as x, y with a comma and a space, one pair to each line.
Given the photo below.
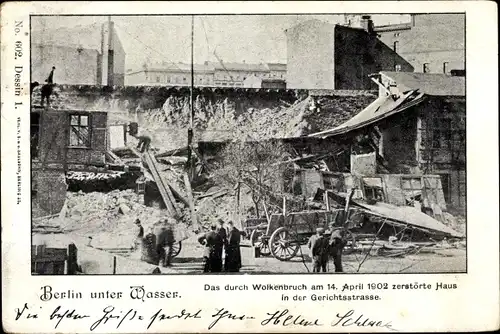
397, 68
158, 78
168, 79
445, 67
396, 34
373, 190
426, 68
184, 79
441, 135
412, 189
395, 46
79, 134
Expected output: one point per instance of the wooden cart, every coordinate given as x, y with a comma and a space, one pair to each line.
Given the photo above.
284, 235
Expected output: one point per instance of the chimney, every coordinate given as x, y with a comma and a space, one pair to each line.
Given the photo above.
367, 23
107, 53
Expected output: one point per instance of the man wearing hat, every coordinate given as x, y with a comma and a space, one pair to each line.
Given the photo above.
213, 250
337, 243
319, 247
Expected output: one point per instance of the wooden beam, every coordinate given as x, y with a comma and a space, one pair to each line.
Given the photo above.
163, 187
388, 92
189, 191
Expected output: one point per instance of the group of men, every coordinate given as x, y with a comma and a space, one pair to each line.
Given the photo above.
157, 246
219, 241
322, 248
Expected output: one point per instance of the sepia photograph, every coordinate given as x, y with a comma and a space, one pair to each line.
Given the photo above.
248, 144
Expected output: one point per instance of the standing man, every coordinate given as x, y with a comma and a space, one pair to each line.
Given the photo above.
148, 249
169, 242
319, 246
222, 232
233, 253
164, 243
139, 233
47, 89
337, 243
213, 251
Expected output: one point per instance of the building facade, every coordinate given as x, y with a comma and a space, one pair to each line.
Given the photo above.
325, 56
171, 74
208, 74
431, 43
82, 55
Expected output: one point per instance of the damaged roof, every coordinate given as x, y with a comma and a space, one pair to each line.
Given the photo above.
428, 83
381, 108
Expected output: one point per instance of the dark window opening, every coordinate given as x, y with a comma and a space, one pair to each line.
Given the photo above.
395, 46
34, 134
157, 79
79, 135
374, 194
426, 68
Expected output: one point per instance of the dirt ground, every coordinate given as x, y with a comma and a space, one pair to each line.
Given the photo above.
190, 261
447, 260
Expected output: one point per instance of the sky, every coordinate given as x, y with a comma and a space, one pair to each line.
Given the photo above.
233, 38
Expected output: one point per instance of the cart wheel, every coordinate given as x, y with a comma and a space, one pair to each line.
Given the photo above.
257, 241
284, 244
176, 248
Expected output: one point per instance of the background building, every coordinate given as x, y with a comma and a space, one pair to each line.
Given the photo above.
431, 43
171, 74
83, 55
325, 56
210, 74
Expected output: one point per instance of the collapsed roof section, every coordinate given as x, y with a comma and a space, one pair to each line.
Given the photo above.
381, 108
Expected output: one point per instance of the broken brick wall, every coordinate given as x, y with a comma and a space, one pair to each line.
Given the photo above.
332, 107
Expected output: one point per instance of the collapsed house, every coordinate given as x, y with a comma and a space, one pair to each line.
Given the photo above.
416, 126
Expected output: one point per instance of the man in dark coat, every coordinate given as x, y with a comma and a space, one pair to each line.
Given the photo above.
233, 253
165, 242
319, 247
149, 251
337, 244
222, 232
213, 251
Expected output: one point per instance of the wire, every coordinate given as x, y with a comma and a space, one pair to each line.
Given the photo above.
152, 49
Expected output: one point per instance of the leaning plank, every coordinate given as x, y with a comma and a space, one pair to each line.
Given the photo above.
189, 191
165, 191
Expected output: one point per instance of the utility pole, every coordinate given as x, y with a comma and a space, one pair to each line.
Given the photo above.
190, 166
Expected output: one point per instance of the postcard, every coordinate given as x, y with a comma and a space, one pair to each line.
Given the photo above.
249, 167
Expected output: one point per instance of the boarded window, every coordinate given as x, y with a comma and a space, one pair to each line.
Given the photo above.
79, 133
